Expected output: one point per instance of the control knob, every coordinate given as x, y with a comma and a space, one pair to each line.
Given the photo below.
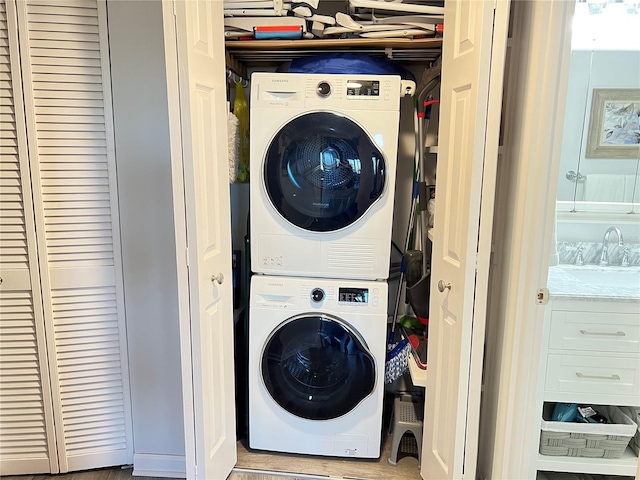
317, 295
323, 89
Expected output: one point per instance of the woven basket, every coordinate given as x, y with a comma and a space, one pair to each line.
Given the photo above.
635, 440
592, 440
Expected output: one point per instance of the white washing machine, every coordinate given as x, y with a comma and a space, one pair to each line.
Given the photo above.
316, 365
323, 167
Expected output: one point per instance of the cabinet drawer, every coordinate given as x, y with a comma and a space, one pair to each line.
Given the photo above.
593, 375
595, 331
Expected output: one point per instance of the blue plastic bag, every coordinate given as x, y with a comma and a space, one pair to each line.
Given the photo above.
350, 63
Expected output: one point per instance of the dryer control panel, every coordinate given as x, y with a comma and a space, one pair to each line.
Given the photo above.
381, 91
320, 91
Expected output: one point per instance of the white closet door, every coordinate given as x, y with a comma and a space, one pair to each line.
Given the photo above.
194, 43
27, 440
471, 93
64, 52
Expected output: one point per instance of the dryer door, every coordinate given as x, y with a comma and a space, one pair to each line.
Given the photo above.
317, 367
322, 171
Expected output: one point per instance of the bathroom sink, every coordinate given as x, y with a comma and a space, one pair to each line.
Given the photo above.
609, 276
595, 281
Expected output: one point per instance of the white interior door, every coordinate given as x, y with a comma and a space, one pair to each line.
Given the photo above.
203, 213
473, 63
27, 435
67, 95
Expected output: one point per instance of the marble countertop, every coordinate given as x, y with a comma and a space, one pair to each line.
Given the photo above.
591, 282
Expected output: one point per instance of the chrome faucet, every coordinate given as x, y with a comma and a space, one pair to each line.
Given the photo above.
604, 257
625, 262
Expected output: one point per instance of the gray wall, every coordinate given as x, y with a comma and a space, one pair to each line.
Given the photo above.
146, 215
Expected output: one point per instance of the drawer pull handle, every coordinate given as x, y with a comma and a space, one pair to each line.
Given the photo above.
598, 377
619, 333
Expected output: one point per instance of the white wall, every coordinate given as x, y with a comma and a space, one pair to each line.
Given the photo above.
146, 215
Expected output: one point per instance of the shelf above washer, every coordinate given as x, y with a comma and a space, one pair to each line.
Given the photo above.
275, 52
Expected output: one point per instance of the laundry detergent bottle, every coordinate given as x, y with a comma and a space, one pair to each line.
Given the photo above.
241, 110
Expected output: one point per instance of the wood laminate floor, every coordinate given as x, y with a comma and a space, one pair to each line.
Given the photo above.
257, 465
113, 473
118, 473
317, 467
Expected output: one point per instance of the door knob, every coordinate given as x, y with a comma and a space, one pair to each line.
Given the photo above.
218, 278
443, 286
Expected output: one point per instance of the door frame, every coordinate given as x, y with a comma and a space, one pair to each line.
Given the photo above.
180, 222
523, 236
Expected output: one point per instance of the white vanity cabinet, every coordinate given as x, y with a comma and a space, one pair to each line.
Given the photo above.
591, 355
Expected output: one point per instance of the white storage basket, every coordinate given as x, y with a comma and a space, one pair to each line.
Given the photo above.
594, 440
634, 413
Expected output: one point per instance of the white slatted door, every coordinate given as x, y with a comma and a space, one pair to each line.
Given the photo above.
27, 439
472, 69
64, 50
194, 41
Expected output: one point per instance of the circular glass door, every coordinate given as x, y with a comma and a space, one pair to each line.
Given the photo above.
316, 367
322, 172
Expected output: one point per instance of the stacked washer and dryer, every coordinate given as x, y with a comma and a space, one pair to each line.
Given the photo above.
323, 165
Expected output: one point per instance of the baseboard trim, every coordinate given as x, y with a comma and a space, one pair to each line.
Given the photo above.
153, 465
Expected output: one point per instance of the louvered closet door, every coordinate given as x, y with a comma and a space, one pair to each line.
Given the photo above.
27, 440
64, 51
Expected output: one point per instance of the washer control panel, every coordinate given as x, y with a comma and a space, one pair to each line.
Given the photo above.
344, 295
353, 295
336, 296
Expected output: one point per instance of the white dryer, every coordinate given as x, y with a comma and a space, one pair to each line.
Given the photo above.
316, 365
323, 166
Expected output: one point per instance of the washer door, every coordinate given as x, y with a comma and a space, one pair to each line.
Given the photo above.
317, 367
322, 172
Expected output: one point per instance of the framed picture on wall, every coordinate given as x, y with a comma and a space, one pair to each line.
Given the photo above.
614, 125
